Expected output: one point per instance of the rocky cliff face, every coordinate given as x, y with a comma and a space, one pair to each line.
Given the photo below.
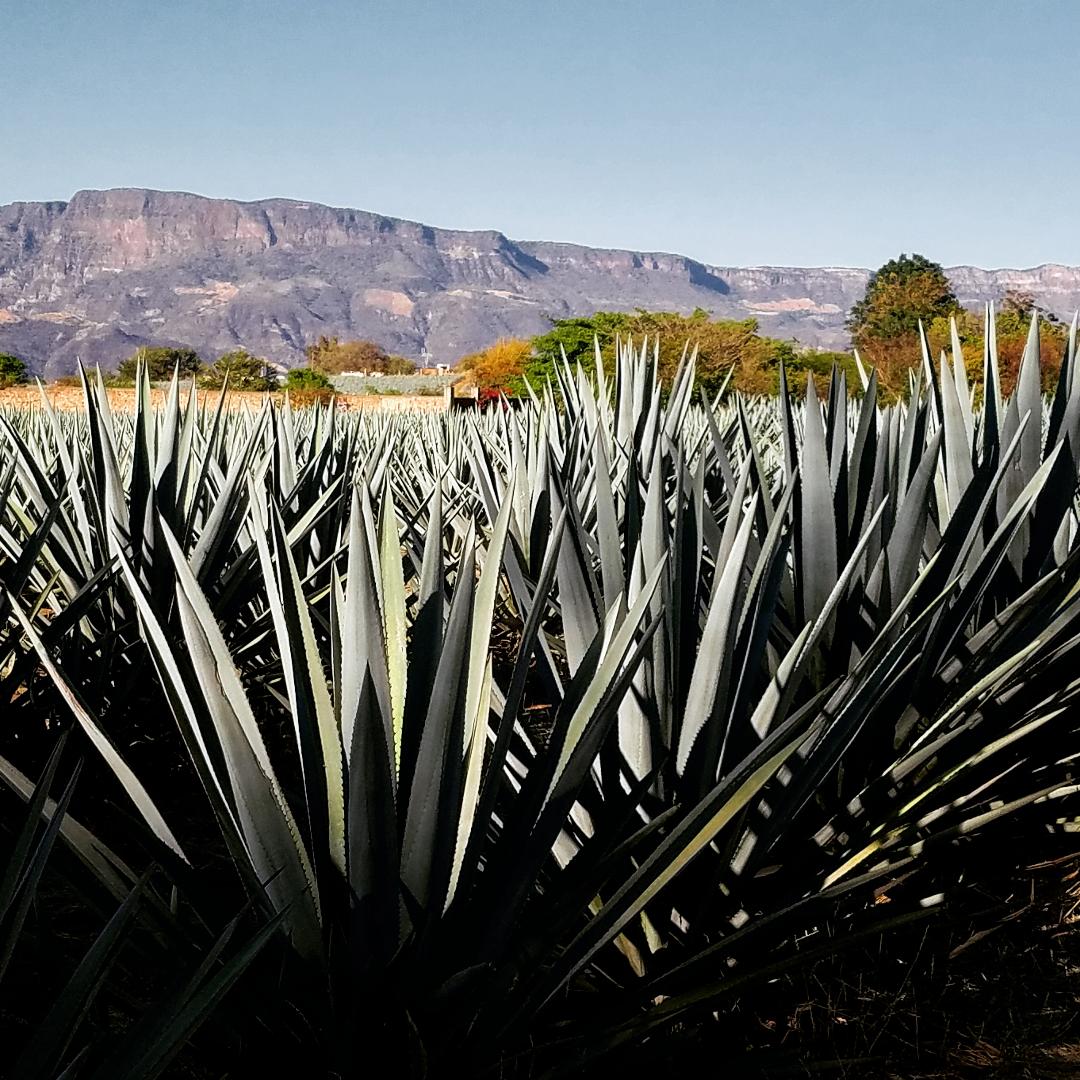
110, 270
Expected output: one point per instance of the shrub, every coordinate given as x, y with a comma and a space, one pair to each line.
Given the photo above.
400, 365
497, 366
12, 370
307, 379
243, 371
330, 356
160, 363
308, 387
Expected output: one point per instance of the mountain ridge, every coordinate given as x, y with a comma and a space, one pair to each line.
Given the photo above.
96, 276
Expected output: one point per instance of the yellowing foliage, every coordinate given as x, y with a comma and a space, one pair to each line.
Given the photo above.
331, 357
498, 365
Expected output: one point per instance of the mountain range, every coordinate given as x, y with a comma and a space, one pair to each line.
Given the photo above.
97, 276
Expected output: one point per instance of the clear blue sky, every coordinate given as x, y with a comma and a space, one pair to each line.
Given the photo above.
833, 132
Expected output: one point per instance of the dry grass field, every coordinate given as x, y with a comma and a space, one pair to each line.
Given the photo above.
123, 399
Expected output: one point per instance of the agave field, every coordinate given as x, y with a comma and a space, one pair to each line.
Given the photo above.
511, 743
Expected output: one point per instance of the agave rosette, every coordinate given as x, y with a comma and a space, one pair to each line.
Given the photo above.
618, 691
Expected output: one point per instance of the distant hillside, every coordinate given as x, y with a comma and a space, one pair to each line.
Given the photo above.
110, 270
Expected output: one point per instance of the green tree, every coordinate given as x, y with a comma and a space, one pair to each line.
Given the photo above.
722, 344
884, 324
575, 336
799, 362
899, 295
244, 371
161, 361
307, 379
12, 370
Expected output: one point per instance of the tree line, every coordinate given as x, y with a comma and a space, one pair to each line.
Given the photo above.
901, 296
326, 356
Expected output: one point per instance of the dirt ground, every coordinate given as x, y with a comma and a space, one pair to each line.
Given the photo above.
993, 998
71, 398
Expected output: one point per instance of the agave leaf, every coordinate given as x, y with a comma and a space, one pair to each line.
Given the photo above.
685, 842
164, 1031
104, 863
362, 634
372, 833
434, 796
53, 1035
129, 781
275, 848
617, 638
714, 657
318, 735
393, 611
478, 687
26, 864
816, 549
